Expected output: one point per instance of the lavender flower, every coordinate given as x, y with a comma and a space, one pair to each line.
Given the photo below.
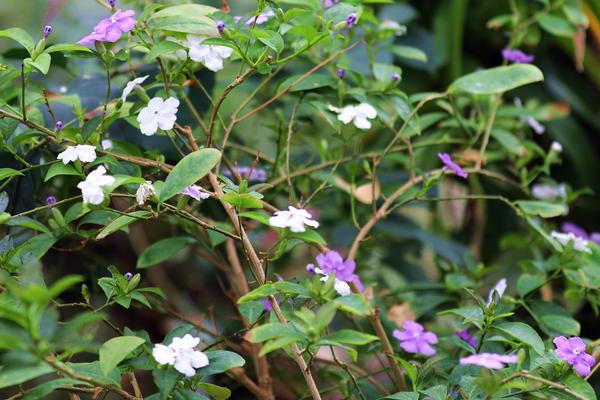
517, 56
111, 29
413, 339
329, 3
395, 77
50, 200
572, 350
128, 276
250, 173
489, 360
221, 26
467, 337
195, 192
47, 31
266, 305
556, 147
333, 263
59, 125
112, 2
449, 164
351, 20
500, 288
341, 73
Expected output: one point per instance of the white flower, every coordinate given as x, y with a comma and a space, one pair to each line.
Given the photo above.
91, 188
557, 147
500, 288
158, 114
107, 144
392, 25
211, 56
196, 192
341, 287
181, 354
179, 53
544, 191
535, 125
131, 85
579, 244
261, 19
295, 219
359, 114
144, 192
83, 152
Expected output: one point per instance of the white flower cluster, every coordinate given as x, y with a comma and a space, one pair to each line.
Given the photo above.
579, 243
91, 188
82, 152
359, 115
294, 218
181, 355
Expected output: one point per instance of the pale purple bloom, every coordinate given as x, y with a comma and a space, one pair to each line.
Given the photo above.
329, 3
500, 288
341, 73
111, 29
112, 2
47, 31
59, 125
221, 26
572, 350
249, 173
489, 360
267, 305
196, 193
570, 227
449, 164
467, 337
50, 200
128, 276
395, 77
351, 20
517, 56
333, 263
258, 20
413, 338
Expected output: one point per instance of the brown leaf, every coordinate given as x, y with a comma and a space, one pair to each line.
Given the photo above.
579, 45
364, 193
400, 313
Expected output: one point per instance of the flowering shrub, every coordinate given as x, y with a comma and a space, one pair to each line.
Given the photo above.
278, 156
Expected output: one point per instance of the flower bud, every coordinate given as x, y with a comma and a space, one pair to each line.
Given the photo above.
351, 20
395, 77
47, 31
341, 73
221, 26
59, 126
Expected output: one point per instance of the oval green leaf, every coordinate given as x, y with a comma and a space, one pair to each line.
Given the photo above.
116, 350
497, 80
162, 250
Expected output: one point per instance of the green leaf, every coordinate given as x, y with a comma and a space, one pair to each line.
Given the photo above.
401, 396
354, 304
41, 63
271, 39
122, 222
67, 47
188, 171
438, 392
507, 140
214, 391
308, 236
242, 200
276, 344
221, 361
497, 80
183, 10
93, 370
165, 379
29, 223
116, 350
555, 318
59, 168
20, 36
273, 330
251, 310
163, 250
314, 81
556, 25
536, 225
384, 72
162, 47
528, 283
349, 336
8, 172
42, 391
259, 293
196, 25
14, 376
410, 53
259, 216
523, 333
577, 385
540, 208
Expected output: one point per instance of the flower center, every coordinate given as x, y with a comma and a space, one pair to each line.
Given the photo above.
113, 20
416, 335
576, 351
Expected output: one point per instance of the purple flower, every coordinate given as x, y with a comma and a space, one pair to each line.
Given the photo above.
50, 200
395, 77
351, 20
221, 26
196, 193
570, 227
413, 339
267, 305
467, 337
111, 29
341, 73
128, 276
112, 2
572, 350
517, 56
47, 31
333, 263
250, 173
59, 125
500, 288
449, 164
489, 360
329, 3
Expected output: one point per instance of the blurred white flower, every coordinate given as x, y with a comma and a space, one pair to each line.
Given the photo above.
91, 188
544, 191
107, 144
359, 114
500, 288
210, 55
392, 25
144, 192
294, 218
158, 114
83, 152
131, 85
181, 354
579, 244
557, 147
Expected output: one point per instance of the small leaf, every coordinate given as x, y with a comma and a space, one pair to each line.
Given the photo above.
183, 10
122, 222
497, 80
528, 283
242, 200
41, 63
354, 304
162, 47
556, 25
214, 391
349, 336
162, 250
67, 47
116, 350
523, 333
8, 172
59, 168
221, 361
271, 39
20, 36
410, 53
188, 171
540, 208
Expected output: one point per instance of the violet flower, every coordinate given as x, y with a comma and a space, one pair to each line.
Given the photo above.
467, 337
111, 29
249, 173
112, 2
59, 125
572, 350
489, 360
570, 227
517, 56
341, 73
449, 164
47, 31
351, 20
329, 3
413, 339
221, 26
395, 77
333, 263
267, 305
128, 276
196, 193
50, 200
